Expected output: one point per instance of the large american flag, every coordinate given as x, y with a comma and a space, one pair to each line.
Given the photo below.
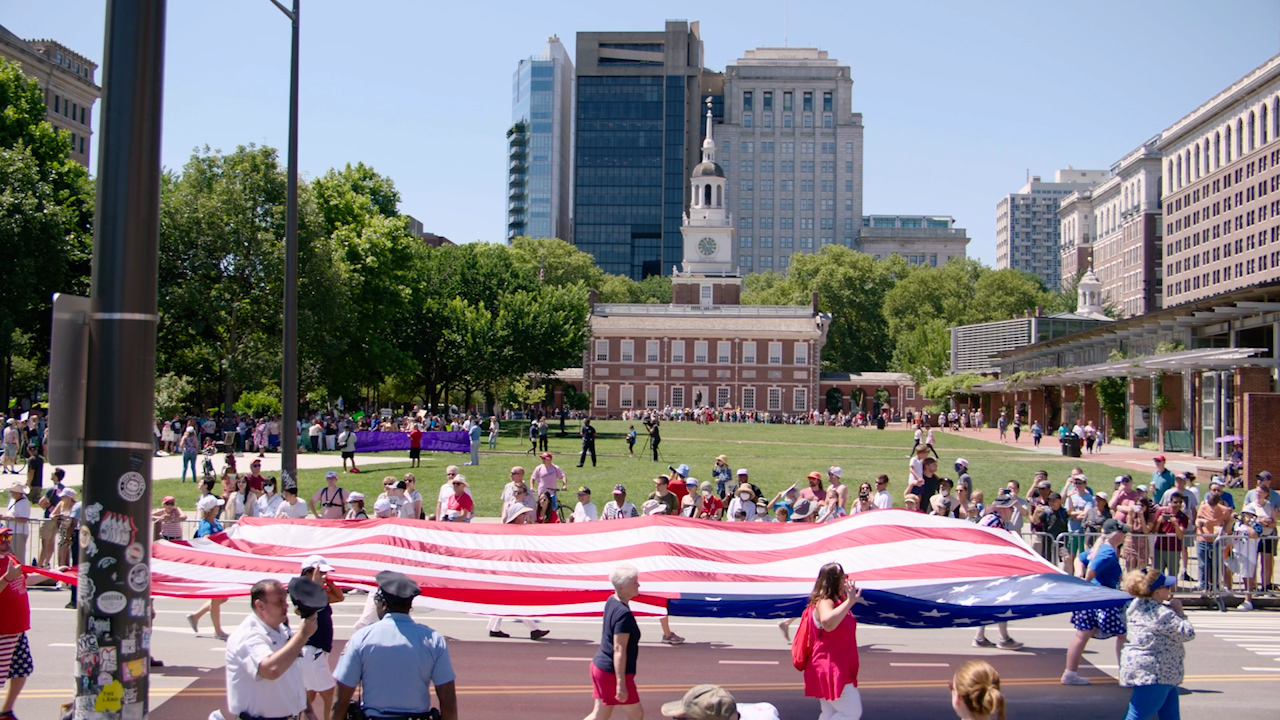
915, 570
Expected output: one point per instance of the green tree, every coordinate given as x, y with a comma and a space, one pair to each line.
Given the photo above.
556, 260
46, 220
172, 393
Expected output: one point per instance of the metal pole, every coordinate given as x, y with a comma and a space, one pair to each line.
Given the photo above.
114, 615
289, 381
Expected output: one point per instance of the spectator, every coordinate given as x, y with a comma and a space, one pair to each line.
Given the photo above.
314, 432
814, 492
1265, 501
460, 507
883, 499
66, 522
975, 692
347, 441
330, 501
831, 674
722, 475
1152, 661
1172, 522
17, 517
944, 503
269, 504
999, 516
241, 499
677, 484
1079, 501
712, 702
170, 519
493, 432
355, 507
264, 663
413, 497
631, 441
915, 468
926, 486
473, 434
863, 503
619, 650
1244, 552
545, 513
836, 486
707, 506
548, 477
1213, 519
49, 528
415, 445
382, 508
442, 497
1124, 501
1053, 523
584, 510
619, 507
291, 506
662, 494
742, 508
1020, 508
1162, 478
189, 446
1103, 569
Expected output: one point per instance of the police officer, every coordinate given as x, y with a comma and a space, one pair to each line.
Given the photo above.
397, 660
588, 443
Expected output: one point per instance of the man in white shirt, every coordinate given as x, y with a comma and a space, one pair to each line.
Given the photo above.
269, 504
883, 499
446, 490
291, 507
16, 517
585, 510
263, 675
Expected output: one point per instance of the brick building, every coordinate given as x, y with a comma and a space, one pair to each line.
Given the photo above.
705, 349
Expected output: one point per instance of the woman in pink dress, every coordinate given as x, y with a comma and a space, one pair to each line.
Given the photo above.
832, 672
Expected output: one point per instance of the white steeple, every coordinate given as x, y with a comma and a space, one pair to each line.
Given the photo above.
708, 227
709, 145
1089, 295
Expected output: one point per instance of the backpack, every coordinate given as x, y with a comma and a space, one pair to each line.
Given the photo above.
802, 644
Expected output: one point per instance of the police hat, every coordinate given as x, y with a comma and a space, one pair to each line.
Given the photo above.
307, 596
397, 585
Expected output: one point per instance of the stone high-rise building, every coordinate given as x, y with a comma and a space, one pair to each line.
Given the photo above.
67, 80
793, 145
1027, 223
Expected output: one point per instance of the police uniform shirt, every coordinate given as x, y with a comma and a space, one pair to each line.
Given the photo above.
252, 643
396, 659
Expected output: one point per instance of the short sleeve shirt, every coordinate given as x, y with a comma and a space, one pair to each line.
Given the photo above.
396, 660
618, 619
251, 644
15, 606
547, 477
1106, 566
670, 500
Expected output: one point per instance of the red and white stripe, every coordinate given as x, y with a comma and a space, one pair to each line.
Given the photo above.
540, 570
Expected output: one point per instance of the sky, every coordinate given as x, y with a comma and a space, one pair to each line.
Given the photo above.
960, 101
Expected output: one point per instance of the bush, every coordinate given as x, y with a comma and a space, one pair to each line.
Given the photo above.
259, 402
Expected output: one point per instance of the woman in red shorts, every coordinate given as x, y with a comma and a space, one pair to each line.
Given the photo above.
619, 646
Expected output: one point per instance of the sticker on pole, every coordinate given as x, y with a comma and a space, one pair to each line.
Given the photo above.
139, 577
112, 602
132, 486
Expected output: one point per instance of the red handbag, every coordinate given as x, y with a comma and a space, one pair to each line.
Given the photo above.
802, 644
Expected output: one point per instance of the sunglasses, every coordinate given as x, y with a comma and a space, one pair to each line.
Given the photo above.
457, 483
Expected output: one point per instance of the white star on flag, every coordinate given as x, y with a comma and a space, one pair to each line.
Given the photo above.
1042, 588
934, 614
971, 600
1007, 596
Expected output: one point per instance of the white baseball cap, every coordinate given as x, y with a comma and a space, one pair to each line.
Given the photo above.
209, 502
317, 561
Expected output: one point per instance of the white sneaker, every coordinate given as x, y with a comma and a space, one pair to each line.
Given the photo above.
1246, 606
1072, 678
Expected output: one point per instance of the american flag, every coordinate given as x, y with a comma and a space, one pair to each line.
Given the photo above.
915, 570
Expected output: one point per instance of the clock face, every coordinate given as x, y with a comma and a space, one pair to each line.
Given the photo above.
707, 246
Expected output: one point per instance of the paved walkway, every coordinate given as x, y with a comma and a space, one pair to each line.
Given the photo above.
1120, 455
170, 466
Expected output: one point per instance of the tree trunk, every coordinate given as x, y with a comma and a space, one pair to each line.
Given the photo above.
229, 392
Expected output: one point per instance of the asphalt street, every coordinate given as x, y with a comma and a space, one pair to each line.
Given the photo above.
1233, 665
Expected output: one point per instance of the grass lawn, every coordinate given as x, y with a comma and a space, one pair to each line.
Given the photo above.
776, 455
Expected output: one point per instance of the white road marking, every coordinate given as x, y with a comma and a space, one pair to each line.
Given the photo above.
748, 662
893, 664
1261, 669
569, 658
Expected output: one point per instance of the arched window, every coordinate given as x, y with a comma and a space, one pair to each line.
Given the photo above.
1266, 138
1252, 130
1177, 177
719, 196
1197, 175
706, 190
1188, 166
1169, 173
697, 194
1137, 193
1275, 117
1217, 150
1227, 159
1239, 138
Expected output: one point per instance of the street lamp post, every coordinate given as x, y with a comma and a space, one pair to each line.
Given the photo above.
289, 374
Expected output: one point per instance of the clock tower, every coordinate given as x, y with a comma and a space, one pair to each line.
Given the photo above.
707, 276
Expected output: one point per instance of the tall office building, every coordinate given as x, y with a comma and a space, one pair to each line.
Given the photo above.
540, 146
1221, 172
1027, 227
1115, 228
638, 136
66, 79
793, 147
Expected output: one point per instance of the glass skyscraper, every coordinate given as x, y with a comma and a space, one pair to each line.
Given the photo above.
637, 139
540, 144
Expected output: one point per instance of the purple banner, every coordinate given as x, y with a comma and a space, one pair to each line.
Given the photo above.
372, 441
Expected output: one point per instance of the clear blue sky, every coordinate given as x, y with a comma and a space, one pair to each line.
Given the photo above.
960, 100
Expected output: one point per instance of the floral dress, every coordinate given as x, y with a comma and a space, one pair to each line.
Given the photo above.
1154, 652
